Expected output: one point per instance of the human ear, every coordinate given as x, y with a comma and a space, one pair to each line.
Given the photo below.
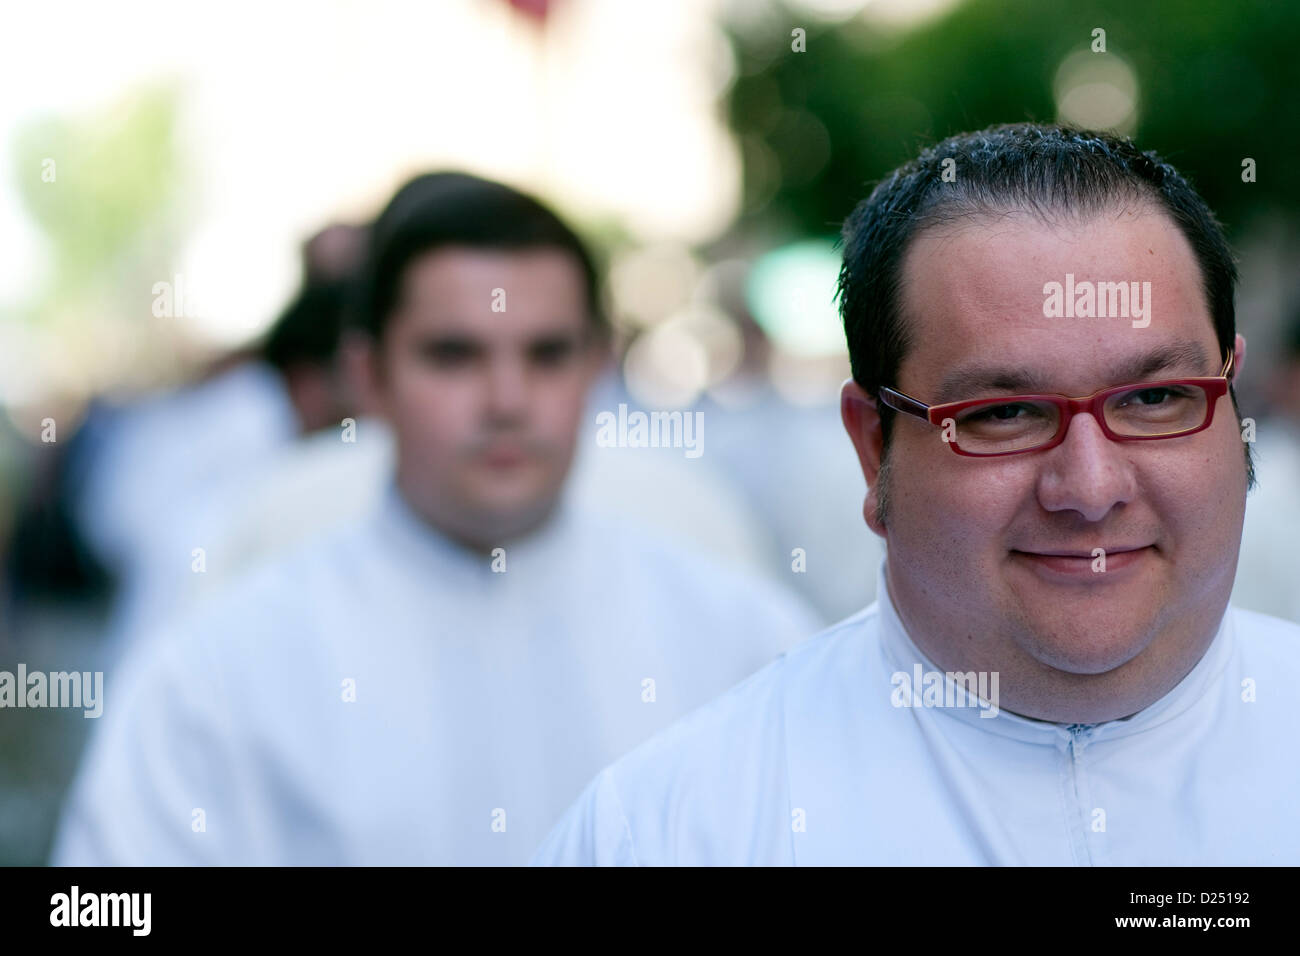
861, 418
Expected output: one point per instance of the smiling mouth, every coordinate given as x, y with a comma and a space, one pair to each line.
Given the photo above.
1071, 562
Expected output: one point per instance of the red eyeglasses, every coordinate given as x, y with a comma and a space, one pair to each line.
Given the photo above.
1013, 424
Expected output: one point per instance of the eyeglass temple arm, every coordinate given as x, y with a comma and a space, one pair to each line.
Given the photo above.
902, 403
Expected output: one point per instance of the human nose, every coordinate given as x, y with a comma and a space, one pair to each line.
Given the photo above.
1087, 472
507, 391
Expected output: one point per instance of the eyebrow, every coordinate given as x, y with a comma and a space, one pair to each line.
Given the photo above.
969, 380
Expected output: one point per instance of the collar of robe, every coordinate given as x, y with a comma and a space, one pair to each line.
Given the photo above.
413, 539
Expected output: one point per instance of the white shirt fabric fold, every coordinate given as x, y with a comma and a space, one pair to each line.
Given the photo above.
810, 762
484, 700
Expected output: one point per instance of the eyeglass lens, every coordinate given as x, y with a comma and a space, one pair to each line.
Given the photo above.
1143, 411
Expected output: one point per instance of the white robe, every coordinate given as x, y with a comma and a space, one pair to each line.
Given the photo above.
809, 762
484, 700
171, 470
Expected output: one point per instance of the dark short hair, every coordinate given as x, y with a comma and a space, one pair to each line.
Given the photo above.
1044, 169
457, 209
309, 328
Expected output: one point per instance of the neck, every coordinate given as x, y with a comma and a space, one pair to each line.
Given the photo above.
482, 533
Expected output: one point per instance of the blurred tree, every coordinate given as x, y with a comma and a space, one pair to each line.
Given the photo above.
1215, 83
107, 192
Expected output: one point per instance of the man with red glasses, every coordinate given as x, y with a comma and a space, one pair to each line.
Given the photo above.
1051, 674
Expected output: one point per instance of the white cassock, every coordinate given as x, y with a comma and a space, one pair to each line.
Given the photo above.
383, 696
810, 762
162, 489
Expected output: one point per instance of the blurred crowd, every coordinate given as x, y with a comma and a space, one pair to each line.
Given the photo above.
431, 393
402, 493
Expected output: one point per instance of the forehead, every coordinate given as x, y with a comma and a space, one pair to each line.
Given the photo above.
973, 294
489, 291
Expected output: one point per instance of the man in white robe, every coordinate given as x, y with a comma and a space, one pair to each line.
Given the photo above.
1051, 673
385, 697
832, 756
169, 471
321, 482
437, 682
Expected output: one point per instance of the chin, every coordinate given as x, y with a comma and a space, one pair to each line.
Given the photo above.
1082, 657
1077, 646
514, 515
1073, 663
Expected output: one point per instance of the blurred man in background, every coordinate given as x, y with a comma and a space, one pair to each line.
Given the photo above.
433, 683
157, 481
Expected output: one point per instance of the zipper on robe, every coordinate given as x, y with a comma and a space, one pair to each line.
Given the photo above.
1079, 737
